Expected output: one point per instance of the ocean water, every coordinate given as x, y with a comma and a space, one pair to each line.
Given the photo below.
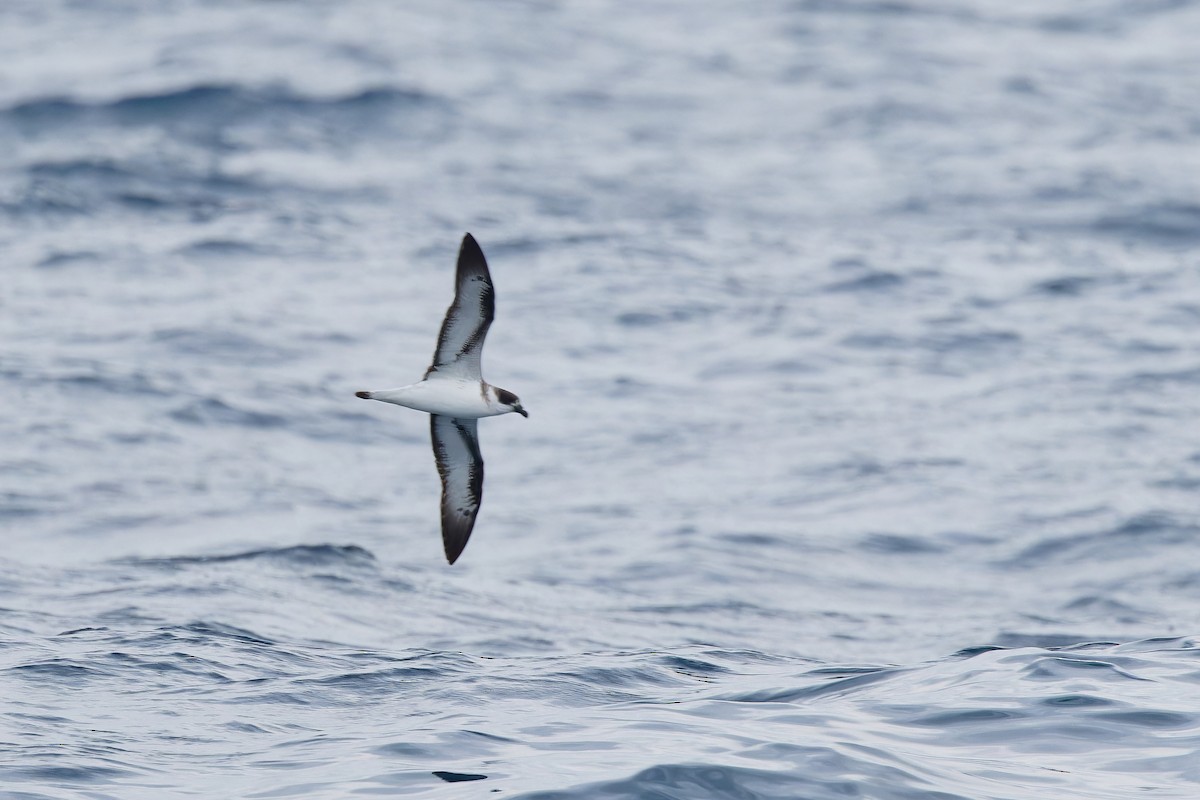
861, 342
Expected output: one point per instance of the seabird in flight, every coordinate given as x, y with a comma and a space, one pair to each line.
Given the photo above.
455, 395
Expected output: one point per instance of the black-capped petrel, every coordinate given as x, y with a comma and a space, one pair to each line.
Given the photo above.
455, 395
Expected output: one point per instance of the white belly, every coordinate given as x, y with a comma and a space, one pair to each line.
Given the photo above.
445, 396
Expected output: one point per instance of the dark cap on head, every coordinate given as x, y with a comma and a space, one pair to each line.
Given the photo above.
511, 400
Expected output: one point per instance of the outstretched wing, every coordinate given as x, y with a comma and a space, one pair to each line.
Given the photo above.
460, 342
456, 449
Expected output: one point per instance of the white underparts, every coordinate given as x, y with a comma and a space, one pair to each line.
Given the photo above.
446, 396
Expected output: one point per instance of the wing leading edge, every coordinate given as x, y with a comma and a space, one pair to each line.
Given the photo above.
460, 341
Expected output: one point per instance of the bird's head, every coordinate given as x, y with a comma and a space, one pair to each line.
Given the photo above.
511, 402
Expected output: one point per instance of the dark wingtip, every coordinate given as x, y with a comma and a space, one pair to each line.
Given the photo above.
455, 536
470, 252
363, 395
454, 550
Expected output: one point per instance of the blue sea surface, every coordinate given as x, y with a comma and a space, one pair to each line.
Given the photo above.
861, 343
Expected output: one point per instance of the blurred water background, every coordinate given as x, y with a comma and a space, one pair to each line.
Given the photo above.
861, 341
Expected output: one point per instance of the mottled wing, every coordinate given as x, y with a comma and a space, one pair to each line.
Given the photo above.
460, 342
456, 449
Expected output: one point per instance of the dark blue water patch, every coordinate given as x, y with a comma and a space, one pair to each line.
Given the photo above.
322, 555
225, 346
355, 688
65, 775
1153, 529
1104, 607
1184, 646
272, 699
784, 366
16, 505
832, 681
982, 341
1188, 582
509, 644
565, 691
560, 203
651, 319
1076, 701
1158, 380
229, 98
899, 544
864, 470
872, 281
606, 510
381, 681
1051, 520
218, 630
211, 411
1110, 19
1014, 640
142, 437
880, 117
223, 248
39, 198
58, 259
876, 341
966, 717
1066, 667
693, 667
67, 671
458, 777
24, 467
225, 102
755, 540
1065, 286
88, 629
816, 773
975, 650
124, 615
118, 522
1022, 84
95, 377
84, 186
886, 9
1090, 24
515, 246
1161, 223
357, 427
164, 670
864, 7
855, 467
409, 751
1139, 347
709, 607
203, 124
93, 168
626, 677
144, 201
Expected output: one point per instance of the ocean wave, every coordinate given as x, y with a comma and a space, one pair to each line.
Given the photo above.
229, 102
307, 555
